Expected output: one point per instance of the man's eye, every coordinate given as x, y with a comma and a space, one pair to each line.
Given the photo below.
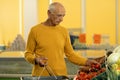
60, 15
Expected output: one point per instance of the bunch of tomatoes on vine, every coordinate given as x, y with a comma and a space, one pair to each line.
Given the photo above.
87, 73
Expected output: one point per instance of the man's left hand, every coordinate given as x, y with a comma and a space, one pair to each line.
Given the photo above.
89, 62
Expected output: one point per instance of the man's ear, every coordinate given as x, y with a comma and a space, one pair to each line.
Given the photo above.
48, 12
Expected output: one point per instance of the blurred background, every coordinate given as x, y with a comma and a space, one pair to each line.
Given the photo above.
84, 16
93, 25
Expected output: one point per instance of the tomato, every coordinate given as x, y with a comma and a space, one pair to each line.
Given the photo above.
93, 71
93, 65
82, 74
97, 66
77, 78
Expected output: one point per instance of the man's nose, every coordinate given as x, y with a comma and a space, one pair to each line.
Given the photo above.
61, 18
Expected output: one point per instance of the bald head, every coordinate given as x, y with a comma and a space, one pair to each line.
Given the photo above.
55, 7
56, 12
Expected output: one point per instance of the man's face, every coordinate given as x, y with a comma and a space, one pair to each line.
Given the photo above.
57, 16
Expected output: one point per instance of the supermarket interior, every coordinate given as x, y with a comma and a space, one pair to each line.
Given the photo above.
93, 28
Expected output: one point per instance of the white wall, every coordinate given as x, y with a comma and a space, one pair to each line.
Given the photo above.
30, 16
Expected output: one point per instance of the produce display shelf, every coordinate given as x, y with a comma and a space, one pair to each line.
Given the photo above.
10, 78
37, 78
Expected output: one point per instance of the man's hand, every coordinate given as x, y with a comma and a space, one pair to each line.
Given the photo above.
89, 62
42, 61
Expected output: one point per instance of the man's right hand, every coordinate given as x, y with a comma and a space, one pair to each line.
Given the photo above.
42, 61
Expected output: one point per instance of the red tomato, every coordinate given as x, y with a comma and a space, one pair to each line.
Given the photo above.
93, 65
82, 74
97, 66
77, 78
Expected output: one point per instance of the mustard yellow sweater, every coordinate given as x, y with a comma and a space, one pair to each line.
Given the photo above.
53, 43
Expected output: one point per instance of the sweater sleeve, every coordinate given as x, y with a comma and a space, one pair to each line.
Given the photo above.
30, 47
70, 53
